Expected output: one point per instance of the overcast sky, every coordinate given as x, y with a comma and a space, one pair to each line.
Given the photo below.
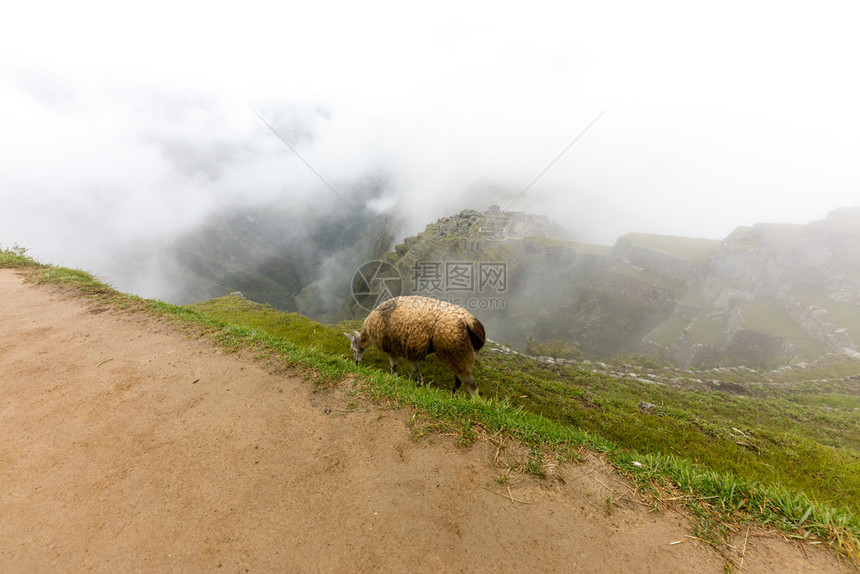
124, 124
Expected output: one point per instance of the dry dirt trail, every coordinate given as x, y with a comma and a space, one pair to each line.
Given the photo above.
129, 445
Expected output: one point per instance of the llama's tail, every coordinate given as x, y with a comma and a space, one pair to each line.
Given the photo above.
476, 334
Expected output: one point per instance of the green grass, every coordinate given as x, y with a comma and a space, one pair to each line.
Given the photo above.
651, 278
692, 249
577, 246
697, 425
708, 331
770, 317
292, 326
784, 454
16, 257
669, 332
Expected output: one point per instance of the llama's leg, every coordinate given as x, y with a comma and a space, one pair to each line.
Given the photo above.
418, 374
393, 361
456, 384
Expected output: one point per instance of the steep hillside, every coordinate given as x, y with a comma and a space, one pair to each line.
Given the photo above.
727, 434
771, 294
139, 448
295, 259
737, 449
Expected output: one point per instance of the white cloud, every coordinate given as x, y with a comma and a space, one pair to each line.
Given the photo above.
121, 124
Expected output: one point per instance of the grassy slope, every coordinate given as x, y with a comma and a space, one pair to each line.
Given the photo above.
784, 441
653, 279
773, 457
771, 318
692, 249
669, 332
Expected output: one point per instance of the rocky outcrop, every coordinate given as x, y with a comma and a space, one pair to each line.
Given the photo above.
821, 324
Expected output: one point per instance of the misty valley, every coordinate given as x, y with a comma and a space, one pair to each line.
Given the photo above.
765, 296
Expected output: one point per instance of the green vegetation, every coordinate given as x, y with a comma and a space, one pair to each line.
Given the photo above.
16, 257
577, 246
770, 317
784, 454
692, 249
298, 329
554, 348
650, 278
669, 332
708, 331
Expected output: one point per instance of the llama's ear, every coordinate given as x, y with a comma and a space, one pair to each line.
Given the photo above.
356, 334
350, 337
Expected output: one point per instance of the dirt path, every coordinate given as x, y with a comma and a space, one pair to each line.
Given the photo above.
129, 445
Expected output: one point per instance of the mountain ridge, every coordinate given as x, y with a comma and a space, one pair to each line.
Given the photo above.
766, 295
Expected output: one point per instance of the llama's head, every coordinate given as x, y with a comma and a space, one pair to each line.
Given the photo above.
356, 345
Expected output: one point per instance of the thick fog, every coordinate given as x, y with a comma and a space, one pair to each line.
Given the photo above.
124, 130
